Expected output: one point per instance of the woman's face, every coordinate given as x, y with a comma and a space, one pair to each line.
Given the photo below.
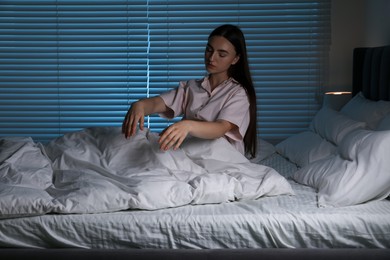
219, 55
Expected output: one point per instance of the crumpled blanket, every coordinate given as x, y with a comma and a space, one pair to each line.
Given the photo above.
98, 170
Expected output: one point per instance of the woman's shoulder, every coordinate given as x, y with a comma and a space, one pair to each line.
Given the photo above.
237, 88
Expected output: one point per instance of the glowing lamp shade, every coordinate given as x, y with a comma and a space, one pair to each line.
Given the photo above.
336, 99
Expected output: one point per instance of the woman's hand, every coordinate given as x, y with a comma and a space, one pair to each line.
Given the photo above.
134, 116
138, 111
174, 135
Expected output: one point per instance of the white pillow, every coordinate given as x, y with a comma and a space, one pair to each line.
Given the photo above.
348, 148
384, 124
363, 177
361, 109
264, 149
305, 148
333, 126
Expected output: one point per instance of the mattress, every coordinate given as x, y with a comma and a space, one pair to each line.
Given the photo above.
287, 221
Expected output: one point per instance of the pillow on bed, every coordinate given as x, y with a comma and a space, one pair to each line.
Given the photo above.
264, 149
384, 124
362, 109
359, 173
333, 126
305, 148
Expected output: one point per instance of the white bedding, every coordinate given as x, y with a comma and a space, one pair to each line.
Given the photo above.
269, 222
97, 170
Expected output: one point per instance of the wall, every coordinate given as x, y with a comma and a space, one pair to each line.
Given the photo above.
377, 30
355, 23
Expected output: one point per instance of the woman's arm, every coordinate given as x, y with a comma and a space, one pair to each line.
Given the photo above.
138, 111
174, 135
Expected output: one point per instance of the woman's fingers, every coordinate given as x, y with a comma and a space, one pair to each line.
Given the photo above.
178, 143
163, 140
129, 125
168, 143
141, 123
171, 137
125, 125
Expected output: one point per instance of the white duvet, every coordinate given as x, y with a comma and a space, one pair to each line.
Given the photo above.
98, 170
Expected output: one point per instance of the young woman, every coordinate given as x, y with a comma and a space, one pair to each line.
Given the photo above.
222, 104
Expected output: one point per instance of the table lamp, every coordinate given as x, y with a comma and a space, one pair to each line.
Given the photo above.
336, 99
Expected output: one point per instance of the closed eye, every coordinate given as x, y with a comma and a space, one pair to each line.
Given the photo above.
221, 53
209, 48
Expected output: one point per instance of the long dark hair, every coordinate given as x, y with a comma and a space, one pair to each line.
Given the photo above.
241, 73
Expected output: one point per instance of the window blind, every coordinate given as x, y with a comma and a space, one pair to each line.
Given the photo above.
66, 65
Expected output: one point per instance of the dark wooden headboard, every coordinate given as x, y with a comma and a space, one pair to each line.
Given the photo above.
371, 72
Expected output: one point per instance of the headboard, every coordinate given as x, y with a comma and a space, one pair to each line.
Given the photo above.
371, 72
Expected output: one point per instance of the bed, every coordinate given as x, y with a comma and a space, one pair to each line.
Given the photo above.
310, 196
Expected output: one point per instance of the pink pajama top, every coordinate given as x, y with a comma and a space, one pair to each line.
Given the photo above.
194, 100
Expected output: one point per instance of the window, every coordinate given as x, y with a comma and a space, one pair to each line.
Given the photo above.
66, 65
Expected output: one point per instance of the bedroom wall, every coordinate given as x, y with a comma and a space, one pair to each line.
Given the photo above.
363, 23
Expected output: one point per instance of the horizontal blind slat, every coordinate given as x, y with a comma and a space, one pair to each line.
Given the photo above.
67, 64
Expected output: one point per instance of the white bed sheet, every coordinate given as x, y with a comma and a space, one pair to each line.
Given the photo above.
268, 222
